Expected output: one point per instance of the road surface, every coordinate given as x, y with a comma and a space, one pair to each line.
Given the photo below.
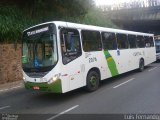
130, 93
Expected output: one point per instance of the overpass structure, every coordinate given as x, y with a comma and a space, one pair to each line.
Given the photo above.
145, 19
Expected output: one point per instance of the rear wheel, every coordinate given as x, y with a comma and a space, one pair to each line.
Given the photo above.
141, 65
92, 81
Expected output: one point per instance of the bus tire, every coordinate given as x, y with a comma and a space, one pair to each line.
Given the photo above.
92, 82
141, 65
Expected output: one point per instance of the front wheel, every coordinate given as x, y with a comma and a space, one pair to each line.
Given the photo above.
92, 81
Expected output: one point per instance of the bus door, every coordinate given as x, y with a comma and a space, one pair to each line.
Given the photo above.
72, 57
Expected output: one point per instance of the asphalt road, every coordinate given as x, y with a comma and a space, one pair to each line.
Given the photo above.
130, 93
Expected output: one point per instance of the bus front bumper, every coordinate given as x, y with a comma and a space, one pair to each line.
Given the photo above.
55, 87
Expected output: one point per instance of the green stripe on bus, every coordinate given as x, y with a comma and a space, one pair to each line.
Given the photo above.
111, 63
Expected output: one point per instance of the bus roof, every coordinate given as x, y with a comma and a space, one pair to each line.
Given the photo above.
91, 27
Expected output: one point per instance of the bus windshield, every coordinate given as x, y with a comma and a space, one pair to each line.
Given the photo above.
39, 53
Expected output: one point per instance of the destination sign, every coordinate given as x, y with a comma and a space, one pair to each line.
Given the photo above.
37, 31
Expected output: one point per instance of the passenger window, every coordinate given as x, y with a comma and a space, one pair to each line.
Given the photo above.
151, 41
140, 42
147, 41
109, 41
70, 44
122, 41
91, 40
132, 41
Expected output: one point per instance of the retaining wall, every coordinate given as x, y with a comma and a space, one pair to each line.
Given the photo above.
10, 63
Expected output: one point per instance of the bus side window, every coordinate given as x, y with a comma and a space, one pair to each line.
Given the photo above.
132, 41
140, 41
151, 41
147, 41
70, 44
122, 41
91, 40
109, 41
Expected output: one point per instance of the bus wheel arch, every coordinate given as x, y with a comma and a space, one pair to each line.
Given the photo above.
93, 79
141, 64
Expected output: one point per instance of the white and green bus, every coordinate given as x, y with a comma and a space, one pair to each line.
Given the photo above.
61, 56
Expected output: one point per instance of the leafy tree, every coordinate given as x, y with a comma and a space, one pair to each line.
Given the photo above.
12, 23
16, 15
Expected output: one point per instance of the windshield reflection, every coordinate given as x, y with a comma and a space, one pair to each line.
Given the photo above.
39, 51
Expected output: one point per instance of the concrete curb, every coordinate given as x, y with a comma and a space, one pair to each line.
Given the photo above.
11, 85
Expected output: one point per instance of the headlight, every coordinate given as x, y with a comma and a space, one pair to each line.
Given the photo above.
53, 79
24, 79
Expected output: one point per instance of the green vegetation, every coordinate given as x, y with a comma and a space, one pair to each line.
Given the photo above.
17, 15
12, 24
96, 17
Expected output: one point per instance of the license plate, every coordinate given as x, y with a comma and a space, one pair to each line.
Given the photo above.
36, 88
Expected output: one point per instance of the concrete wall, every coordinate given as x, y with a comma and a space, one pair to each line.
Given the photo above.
10, 63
